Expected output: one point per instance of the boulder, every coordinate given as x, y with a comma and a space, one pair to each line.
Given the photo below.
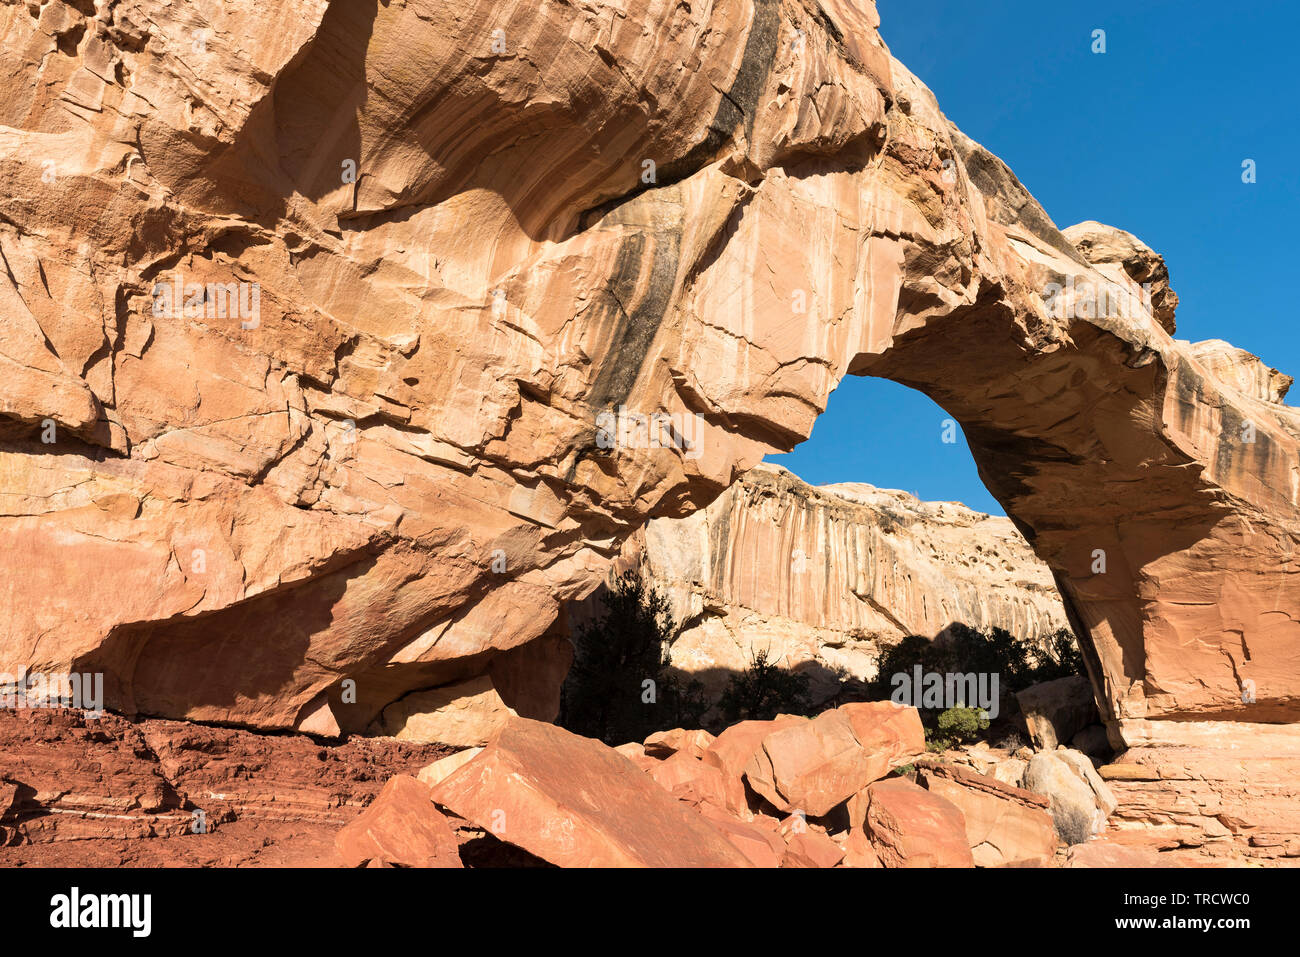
762, 846
1085, 769
1056, 710
732, 750
467, 714
401, 828
814, 766
1009, 771
634, 751
1074, 806
662, 744
575, 802
909, 826
1092, 741
858, 851
442, 769
689, 779
810, 846
1005, 826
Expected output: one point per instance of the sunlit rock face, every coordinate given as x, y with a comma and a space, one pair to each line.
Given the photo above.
823, 578
443, 248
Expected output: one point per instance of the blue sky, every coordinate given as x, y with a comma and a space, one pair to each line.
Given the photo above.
1149, 136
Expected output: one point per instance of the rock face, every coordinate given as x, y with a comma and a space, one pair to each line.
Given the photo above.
822, 577
333, 333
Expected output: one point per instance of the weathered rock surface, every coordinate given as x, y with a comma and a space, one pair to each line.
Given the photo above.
176, 787
909, 826
1079, 801
1005, 825
468, 714
822, 577
401, 828
1057, 710
812, 766
391, 472
574, 802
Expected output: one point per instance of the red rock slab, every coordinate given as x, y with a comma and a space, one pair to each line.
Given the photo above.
763, 846
1110, 854
809, 846
689, 779
577, 803
401, 828
732, 749
910, 827
858, 851
816, 765
663, 744
1005, 826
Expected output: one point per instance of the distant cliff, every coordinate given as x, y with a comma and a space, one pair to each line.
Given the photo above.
820, 576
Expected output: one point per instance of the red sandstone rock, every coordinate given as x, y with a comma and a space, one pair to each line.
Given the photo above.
811, 847
577, 803
388, 478
761, 845
816, 765
664, 743
911, 827
1005, 826
689, 779
401, 829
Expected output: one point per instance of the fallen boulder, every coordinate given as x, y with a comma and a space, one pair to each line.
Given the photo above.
689, 779
401, 828
1056, 711
814, 766
442, 769
1076, 808
575, 802
909, 826
467, 714
663, 744
1005, 826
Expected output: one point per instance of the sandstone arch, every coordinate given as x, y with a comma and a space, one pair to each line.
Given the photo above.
417, 403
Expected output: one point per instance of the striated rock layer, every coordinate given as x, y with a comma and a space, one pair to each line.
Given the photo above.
436, 243
822, 577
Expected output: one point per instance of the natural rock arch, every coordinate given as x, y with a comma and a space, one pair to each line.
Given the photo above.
392, 475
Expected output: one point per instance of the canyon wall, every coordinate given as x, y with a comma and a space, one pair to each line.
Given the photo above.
311, 311
823, 578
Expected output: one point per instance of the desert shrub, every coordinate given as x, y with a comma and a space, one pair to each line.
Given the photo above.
762, 691
965, 650
956, 726
619, 688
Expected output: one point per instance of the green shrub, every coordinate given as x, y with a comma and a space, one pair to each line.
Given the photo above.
965, 650
619, 688
762, 691
956, 726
